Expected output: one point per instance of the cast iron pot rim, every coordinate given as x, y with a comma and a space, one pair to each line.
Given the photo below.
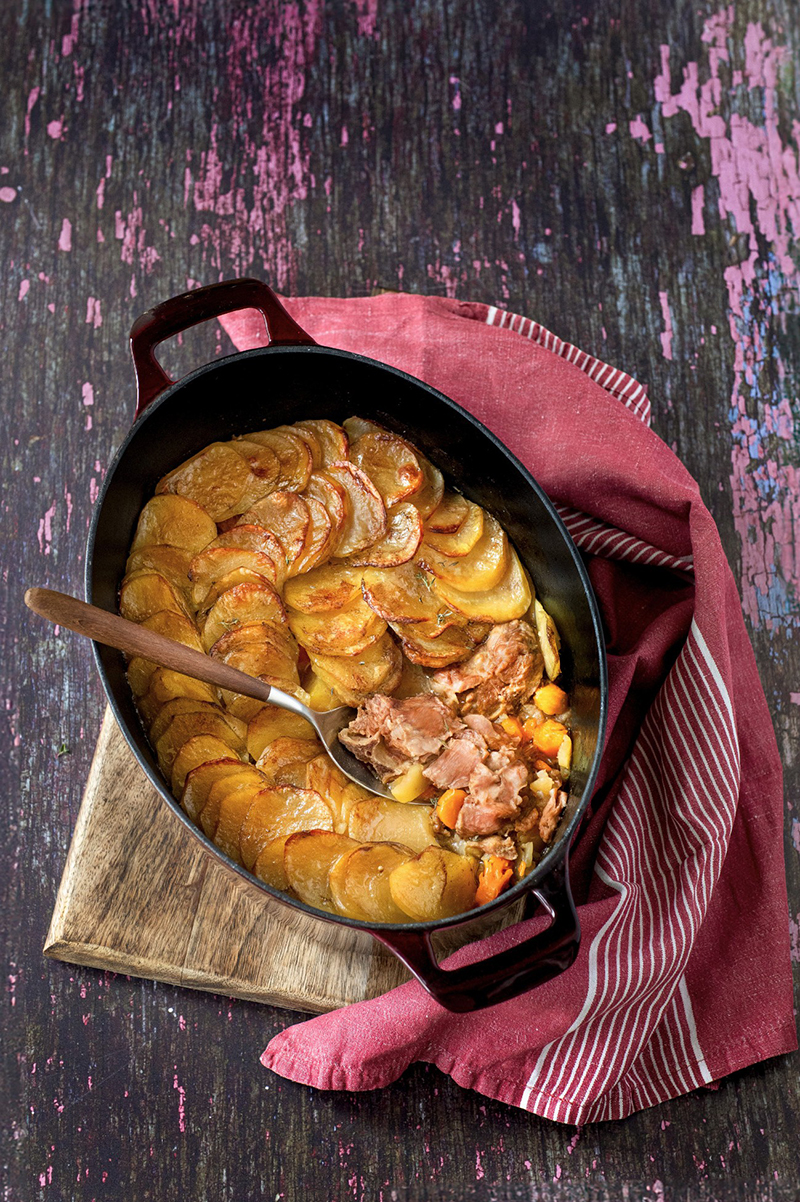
551, 859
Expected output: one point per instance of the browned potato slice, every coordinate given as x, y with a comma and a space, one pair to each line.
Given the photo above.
165, 685
287, 750
144, 593
359, 882
271, 723
319, 539
179, 705
509, 599
248, 777
405, 594
309, 437
429, 497
357, 427
434, 884
366, 517
307, 860
324, 589
281, 811
390, 463
333, 499
347, 631
228, 581
454, 645
201, 749
251, 536
339, 791
215, 562
269, 865
333, 441
216, 478
462, 541
481, 569
184, 726
286, 515
263, 650
176, 522
449, 514
293, 455
233, 810
549, 640
242, 604
399, 544
376, 820
321, 697
172, 562
262, 461
199, 780
173, 626
376, 669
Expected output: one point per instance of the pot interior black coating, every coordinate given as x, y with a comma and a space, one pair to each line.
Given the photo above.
265, 387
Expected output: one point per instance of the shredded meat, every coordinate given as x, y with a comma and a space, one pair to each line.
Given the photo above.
454, 767
496, 845
502, 674
392, 735
550, 815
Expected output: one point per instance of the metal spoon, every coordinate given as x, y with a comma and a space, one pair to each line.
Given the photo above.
114, 631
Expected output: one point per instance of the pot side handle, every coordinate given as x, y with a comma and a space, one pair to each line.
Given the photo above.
189, 309
507, 974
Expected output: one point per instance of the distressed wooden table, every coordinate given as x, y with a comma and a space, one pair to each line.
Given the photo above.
628, 175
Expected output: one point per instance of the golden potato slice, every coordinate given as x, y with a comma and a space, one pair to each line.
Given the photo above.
481, 569
263, 650
509, 599
293, 455
319, 539
461, 541
251, 536
173, 626
333, 441
179, 705
429, 497
309, 437
277, 812
248, 777
176, 522
184, 726
434, 884
171, 562
453, 646
307, 860
376, 669
449, 514
347, 631
359, 882
144, 593
262, 461
286, 515
391, 464
271, 723
549, 640
341, 793
216, 478
366, 517
287, 750
199, 780
201, 749
330, 587
333, 499
404, 594
269, 865
377, 820
357, 427
240, 605
228, 581
216, 562
233, 810
399, 544
165, 685
321, 697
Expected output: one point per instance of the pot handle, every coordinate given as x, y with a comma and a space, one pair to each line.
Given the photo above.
507, 974
189, 309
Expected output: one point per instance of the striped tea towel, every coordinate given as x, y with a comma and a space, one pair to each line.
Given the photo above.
683, 974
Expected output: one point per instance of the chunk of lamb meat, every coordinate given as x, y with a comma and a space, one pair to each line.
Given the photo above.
503, 673
493, 801
392, 735
453, 768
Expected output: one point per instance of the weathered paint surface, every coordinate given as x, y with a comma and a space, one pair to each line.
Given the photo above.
632, 184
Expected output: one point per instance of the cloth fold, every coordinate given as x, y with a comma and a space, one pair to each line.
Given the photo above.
684, 972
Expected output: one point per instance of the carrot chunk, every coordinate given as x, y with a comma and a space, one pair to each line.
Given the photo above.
449, 806
497, 872
547, 737
551, 699
513, 727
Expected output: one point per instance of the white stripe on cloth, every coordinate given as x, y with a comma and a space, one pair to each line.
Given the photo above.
598, 538
634, 1042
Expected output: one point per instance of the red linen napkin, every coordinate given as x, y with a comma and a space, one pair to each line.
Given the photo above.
683, 974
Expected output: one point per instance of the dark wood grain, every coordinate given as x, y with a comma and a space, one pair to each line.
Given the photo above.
532, 156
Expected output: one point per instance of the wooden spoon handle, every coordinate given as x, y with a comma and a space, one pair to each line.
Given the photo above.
114, 631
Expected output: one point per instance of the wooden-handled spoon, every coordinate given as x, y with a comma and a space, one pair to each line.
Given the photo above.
115, 631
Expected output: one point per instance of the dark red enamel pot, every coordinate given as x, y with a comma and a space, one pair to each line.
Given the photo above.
294, 378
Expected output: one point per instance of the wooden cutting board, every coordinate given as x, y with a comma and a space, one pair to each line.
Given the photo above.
140, 896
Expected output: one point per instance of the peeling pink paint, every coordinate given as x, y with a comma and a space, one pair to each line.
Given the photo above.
666, 337
367, 17
45, 532
94, 317
33, 96
612, 125
638, 129
24, 285
698, 200
65, 237
55, 128
7, 195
